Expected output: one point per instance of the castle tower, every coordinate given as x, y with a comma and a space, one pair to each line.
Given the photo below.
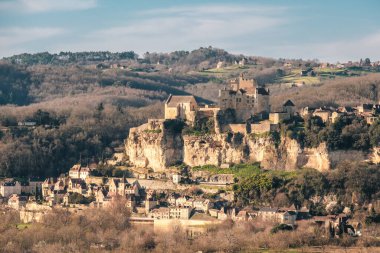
262, 102
289, 107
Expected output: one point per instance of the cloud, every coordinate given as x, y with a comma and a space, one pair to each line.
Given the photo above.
35, 6
332, 51
185, 27
225, 9
14, 40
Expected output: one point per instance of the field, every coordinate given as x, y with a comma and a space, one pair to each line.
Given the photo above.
295, 78
243, 170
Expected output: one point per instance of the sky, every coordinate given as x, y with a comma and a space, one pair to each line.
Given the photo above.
328, 30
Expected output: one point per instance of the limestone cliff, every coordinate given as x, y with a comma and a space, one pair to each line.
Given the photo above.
153, 146
287, 155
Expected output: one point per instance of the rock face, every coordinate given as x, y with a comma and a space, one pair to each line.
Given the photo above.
375, 156
153, 146
287, 155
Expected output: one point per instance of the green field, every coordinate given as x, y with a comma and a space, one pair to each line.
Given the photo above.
243, 170
295, 78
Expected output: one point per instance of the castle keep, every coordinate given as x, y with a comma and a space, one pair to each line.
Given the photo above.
246, 98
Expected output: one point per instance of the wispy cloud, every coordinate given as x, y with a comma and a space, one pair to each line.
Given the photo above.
338, 50
46, 5
184, 27
213, 9
13, 40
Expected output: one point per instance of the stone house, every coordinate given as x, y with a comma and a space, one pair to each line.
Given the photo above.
31, 186
76, 185
91, 189
364, 108
132, 189
79, 172
122, 188
161, 213
172, 199
289, 107
60, 185
9, 188
183, 201
113, 186
268, 214
323, 113
181, 107
101, 198
371, 118
182, 213
84, 172
203, 205
287, 217
278, 215
56, 197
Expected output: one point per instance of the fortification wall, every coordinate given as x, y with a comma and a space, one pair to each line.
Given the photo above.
237, 128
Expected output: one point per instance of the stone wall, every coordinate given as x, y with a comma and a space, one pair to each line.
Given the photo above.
263, 127
236, 128
277, 117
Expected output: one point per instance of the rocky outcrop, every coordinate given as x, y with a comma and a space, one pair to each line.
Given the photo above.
153, 146
375, 156
287, 155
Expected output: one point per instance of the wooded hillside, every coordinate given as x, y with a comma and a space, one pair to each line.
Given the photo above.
85, 103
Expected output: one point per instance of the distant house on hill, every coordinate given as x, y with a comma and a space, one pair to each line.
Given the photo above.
307, 72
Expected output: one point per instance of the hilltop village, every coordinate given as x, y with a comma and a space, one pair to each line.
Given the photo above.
158, 183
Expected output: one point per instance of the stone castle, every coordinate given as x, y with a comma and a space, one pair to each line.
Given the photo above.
245, 131
246, 98
243, 96
242, 112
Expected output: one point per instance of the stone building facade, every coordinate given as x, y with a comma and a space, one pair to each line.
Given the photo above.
181, 107
246, 98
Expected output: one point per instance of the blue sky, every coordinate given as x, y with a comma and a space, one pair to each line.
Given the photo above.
328, 30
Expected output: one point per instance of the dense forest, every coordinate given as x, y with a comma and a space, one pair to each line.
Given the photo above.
84, 103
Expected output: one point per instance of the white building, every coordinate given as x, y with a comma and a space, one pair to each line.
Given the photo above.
79, 172
176, 178
9, 188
